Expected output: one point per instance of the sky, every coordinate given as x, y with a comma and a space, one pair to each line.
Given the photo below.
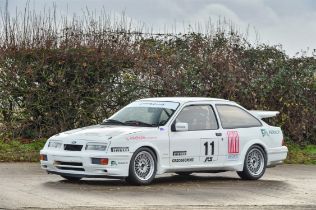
290, 23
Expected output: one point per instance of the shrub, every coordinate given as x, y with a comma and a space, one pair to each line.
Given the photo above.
58, 78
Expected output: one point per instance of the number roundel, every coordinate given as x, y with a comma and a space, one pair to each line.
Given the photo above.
207, 149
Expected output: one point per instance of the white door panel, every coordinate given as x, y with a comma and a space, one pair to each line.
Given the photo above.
184, 148
192, 148
199, 146
209, 150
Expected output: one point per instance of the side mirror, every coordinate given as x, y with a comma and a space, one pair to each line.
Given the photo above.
104, 120
181, 127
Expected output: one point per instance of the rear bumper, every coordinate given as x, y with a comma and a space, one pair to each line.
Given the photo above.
276, 156
79, 164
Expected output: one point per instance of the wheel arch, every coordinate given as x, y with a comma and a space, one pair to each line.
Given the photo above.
263, 148
153, 149
251, 143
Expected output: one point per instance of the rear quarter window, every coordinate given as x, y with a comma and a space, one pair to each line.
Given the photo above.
234, 117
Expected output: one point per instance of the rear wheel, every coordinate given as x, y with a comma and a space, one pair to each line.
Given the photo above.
143, 167
254, 164
71, 178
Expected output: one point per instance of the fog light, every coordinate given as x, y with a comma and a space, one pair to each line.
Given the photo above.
100, 161
43, 157
104, 161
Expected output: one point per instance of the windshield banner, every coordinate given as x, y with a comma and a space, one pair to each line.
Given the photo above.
155, 104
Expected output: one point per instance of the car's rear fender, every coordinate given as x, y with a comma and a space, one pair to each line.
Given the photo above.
246, 147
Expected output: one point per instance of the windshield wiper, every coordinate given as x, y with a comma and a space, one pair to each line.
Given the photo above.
112, 121
138, 123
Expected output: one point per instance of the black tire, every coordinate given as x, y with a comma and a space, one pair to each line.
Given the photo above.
72, 178
184, 173
143, 163
254, 164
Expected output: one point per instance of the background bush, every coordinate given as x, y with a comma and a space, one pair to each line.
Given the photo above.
55, 77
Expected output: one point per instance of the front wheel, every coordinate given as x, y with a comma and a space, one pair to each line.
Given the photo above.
254, 164
143, 167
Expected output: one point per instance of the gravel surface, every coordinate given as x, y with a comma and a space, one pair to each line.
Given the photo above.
26, 186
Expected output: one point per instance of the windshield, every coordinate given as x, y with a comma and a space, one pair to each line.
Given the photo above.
144, 113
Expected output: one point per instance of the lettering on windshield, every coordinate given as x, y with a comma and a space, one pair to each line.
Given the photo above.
168, 105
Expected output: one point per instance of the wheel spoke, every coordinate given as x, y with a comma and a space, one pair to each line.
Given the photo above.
144, 165
255, 161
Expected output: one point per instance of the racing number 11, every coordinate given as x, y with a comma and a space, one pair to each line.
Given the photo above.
206, 148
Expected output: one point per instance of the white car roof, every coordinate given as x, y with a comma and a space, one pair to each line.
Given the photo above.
183, 99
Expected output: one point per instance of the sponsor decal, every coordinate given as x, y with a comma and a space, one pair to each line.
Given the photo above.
208, 159
233, 157
141, 137
115, 163
119, 149
274, 132
157, 104
182, 160
179, 153
264, 132
233, 142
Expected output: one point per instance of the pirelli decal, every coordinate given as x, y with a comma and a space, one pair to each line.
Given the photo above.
119, 149
233, 142
179, 153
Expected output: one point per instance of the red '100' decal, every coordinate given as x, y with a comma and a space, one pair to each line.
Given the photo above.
233, 142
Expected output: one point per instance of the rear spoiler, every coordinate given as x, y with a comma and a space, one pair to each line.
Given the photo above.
264, 114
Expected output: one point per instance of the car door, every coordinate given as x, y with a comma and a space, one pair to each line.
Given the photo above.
199, 144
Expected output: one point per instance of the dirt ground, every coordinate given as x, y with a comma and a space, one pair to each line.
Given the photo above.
26, 186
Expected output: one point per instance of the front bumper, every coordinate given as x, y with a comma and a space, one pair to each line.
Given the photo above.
79, 164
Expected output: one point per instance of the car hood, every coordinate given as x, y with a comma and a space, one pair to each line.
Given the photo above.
98, 132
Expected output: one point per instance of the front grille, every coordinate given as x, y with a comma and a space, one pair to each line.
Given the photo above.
68, 163
70, 168
72, 147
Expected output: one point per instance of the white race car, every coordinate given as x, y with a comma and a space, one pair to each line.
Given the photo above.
159, 135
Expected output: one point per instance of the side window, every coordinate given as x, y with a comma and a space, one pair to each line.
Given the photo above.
198, 117
164, 116
235, 117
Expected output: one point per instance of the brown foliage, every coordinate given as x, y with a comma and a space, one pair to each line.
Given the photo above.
55, 79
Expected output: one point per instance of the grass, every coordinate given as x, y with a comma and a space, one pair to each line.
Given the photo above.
301, 154
28, 151
17, 151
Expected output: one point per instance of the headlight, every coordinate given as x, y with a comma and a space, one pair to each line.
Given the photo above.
96, 146
54, 144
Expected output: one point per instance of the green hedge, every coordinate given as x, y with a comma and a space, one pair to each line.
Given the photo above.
16, 150
55, 83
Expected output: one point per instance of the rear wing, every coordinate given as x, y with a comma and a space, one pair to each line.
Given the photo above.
264, 114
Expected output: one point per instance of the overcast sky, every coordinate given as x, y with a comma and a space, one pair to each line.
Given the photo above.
291, 23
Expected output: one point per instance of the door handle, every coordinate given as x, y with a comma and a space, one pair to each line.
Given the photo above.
218, 134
